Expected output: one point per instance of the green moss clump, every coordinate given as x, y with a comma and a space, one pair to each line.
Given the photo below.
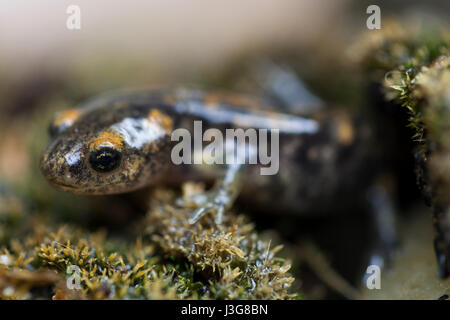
235, 263
163, 257
399, 54
413, 66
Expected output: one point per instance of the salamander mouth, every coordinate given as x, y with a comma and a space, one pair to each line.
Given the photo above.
66, 186
61, 185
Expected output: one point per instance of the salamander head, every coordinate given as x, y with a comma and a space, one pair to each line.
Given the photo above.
106, 150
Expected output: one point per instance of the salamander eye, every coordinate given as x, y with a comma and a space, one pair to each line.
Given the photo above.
105, 159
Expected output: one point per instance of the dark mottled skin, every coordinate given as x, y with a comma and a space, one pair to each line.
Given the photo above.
321, 172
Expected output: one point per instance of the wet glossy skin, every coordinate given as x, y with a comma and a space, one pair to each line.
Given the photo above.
98, 151
121, 142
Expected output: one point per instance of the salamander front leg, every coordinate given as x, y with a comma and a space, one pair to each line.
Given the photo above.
220, 198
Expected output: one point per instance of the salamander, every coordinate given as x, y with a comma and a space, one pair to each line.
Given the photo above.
329, 158
120, 142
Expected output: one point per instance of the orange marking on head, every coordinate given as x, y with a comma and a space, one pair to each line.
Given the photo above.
107, 139
68, 116
160, 118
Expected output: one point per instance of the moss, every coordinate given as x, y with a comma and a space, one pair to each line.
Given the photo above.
163, 257
423, 89
397, 56
413, 66
231, 258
